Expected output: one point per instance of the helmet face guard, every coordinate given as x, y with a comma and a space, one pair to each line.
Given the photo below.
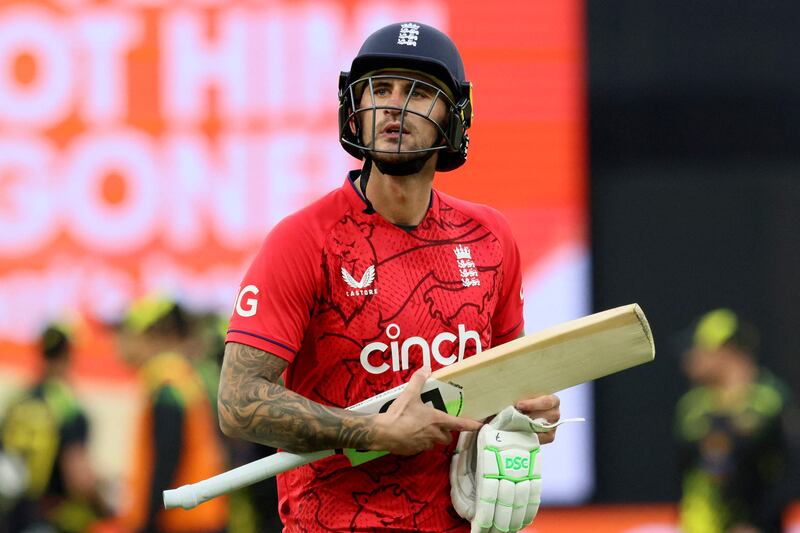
452, 133
353, 112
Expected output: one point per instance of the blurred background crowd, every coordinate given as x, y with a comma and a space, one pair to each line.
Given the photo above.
48, 478
642, 151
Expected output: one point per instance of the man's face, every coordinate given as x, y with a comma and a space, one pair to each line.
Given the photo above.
137, 348
704, 366
417, 131
134, 347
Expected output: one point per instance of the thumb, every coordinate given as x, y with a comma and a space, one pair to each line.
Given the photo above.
417, 381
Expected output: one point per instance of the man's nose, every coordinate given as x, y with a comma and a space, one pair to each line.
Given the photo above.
395, 99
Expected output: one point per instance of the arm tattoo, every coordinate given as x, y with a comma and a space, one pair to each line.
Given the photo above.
254, 406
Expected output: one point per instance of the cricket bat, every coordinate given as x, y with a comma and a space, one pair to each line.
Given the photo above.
544, 362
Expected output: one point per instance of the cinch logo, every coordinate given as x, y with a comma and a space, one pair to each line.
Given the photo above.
517, 463
399, 351
251, 304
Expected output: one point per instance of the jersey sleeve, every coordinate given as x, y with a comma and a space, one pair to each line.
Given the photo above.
508, 320
277, 294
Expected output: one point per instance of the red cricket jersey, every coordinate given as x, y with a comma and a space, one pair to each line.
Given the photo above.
356, 305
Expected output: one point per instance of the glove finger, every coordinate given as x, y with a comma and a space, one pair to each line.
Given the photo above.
535, 496
477, 528
505, 504
534, 500
521, 495
487, 495
485, 506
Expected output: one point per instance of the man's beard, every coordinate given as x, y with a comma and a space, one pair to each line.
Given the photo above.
402, 164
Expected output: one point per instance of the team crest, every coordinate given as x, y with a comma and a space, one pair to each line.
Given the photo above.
409, 33
466, 266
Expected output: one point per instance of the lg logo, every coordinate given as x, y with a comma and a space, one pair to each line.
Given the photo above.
250, 304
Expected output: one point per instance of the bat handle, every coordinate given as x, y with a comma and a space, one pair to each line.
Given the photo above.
192, 495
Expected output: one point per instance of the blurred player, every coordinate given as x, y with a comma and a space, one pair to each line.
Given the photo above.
48, 430
371, 287
732, 428
176, 440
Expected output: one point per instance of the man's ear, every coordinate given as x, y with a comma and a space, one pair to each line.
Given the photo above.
352, 124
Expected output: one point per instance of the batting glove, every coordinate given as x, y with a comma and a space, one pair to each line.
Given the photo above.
495, 476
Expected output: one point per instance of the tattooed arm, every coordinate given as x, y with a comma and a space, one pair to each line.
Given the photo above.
254, 406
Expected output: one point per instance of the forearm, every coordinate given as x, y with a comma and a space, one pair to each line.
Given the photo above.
254, 407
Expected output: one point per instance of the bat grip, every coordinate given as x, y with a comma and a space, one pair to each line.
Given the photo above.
192, 495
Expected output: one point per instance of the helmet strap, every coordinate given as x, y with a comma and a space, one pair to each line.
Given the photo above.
362, 182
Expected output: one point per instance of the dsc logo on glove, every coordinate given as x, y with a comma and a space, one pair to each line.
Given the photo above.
517, 463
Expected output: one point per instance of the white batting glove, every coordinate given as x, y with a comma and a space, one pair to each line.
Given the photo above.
495, 476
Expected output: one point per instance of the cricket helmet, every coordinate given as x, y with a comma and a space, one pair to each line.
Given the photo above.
724, 327
55, 341
415, 47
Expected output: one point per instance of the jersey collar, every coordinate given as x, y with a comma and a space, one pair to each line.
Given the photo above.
359, 202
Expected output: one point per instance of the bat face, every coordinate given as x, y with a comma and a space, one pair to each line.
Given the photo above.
551, 360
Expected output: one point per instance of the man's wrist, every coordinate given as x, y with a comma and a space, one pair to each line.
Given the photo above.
380, 435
